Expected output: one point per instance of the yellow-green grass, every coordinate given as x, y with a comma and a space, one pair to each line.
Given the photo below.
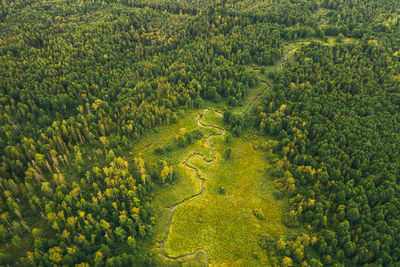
166, 134
332, 40
252, 95
214, 119
197, 260
224, 224
184, 186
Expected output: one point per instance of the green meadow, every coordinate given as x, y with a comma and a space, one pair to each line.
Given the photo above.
222, 221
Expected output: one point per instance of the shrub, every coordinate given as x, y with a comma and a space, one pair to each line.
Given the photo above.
221, 190
259, 214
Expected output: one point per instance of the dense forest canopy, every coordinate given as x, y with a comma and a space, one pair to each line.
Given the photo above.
82, 81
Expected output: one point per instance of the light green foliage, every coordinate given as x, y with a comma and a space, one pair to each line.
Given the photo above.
234, 189
224, 224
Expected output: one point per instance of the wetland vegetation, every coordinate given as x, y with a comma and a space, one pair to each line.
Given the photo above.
199, 133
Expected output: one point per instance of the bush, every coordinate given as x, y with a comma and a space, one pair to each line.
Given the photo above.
228, 138
232, 101
221, 190
289, 220
189, 138
237, 130
174, 118
169, 148
259, 214
159, 150
228, 153
182, 141
197, 134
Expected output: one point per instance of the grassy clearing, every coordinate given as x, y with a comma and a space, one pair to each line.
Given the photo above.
212, 118
184, 186
332, 40
225, 224
222, 224
252, 95
166, 135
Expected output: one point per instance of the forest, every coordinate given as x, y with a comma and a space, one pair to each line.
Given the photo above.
200, 133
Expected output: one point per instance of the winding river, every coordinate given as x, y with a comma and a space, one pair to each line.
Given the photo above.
186, 163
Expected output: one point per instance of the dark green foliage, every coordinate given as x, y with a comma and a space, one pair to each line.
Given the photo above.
188, 138
197, 134
228, 153
290, 220
98, 211
221, 190
236, 122
182, 141
228, 138
159, 150
232, 101
337, 129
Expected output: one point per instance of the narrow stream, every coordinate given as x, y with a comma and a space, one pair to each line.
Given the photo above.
186, 163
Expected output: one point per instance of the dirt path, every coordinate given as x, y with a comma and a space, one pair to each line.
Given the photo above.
257, 97
186, 163
281, 66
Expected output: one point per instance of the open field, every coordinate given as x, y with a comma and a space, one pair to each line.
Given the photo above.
222, 224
